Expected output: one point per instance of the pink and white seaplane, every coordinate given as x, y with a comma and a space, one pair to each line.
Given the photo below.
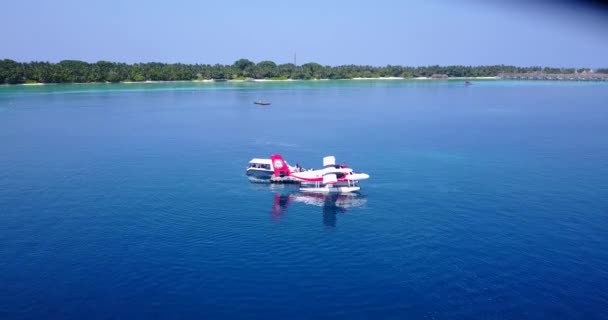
331, 178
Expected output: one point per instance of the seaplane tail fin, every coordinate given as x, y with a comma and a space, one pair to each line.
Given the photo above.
329, 161
330, 178
280, 167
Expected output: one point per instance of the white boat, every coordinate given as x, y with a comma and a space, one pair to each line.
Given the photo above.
260, 168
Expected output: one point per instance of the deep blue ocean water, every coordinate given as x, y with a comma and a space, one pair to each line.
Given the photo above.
487, 201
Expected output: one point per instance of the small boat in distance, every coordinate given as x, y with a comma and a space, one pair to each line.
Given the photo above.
262, 102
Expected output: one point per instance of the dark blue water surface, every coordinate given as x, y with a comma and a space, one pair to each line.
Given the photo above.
487, 201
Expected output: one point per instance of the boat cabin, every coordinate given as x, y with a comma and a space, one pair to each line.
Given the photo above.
260, 168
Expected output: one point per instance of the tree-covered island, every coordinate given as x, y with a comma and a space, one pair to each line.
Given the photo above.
73, 71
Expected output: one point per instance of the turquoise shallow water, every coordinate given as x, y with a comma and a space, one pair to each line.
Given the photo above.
130, 201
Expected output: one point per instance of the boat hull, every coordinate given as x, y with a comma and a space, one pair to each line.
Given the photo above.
259, 173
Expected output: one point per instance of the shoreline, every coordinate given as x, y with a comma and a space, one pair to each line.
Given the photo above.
494, 78
257, 80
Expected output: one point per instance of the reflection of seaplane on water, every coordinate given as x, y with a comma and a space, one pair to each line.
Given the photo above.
332, 203
331, 178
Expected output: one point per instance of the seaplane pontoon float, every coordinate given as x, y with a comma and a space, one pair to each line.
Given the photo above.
332, 178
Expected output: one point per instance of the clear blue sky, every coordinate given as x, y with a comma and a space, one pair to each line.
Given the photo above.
376, 32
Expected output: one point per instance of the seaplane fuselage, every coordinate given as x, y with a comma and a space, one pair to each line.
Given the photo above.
331, 175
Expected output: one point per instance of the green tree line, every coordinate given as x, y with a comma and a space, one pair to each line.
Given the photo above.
67, 71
